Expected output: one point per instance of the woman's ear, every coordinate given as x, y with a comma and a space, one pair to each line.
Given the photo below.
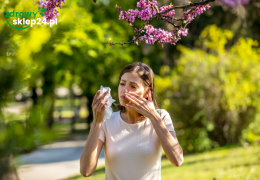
147, 92
149, 89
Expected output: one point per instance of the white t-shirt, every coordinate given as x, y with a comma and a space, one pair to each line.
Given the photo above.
132, 151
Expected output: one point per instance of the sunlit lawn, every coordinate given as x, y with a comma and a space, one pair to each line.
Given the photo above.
225, 163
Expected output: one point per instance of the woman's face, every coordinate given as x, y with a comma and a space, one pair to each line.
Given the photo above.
130, 82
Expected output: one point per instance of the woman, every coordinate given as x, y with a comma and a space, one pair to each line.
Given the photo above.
134, 136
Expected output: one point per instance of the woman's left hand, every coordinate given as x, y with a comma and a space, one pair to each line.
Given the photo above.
141, 105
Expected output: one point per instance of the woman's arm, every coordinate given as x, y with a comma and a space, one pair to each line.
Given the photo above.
168, 141
91, 151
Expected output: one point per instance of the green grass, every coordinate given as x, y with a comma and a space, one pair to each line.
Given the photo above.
235, 163
226, 163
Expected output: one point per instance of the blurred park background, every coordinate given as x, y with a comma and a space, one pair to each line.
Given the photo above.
209, 83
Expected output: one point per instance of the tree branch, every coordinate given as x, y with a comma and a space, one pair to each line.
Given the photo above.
176, 26
162, 16
187, 6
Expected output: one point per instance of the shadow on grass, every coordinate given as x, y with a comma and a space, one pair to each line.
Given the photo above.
100, 170
246, 165
234, 166
194, 162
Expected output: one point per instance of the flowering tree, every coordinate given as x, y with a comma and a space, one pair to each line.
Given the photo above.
148, 11
51, 6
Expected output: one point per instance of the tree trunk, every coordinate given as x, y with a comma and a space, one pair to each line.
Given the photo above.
89, 119
8, 170
48, 96
72, 107
49, 116
34, 118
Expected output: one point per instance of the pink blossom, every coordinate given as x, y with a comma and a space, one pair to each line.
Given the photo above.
183, 32
170, 13
197, 10
51, 6
149, 34
142, 4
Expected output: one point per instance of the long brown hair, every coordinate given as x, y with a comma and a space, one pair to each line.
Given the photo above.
147, 75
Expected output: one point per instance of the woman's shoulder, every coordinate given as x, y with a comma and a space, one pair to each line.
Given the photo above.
162, 112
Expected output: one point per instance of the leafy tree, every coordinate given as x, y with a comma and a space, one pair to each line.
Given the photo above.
213, 93
74, 51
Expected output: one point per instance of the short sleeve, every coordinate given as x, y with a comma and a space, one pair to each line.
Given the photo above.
166, 119
102, 135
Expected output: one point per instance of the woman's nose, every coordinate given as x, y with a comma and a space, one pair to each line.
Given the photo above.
126, 89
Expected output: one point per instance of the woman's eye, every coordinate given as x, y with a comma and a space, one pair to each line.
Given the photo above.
124, 84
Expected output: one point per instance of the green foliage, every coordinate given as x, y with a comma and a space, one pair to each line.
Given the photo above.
252, 133
213, 93
75, 51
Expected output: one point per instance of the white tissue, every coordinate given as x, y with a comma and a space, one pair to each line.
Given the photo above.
108, 110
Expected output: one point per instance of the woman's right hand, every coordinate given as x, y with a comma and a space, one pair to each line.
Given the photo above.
99, 106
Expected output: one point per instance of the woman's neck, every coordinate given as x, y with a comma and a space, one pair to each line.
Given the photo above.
131, 116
